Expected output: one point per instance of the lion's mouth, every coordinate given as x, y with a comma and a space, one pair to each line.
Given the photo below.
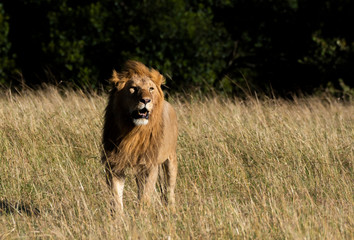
142, 113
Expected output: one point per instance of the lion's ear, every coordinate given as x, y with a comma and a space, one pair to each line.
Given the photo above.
157, 77
118, 83
115, 78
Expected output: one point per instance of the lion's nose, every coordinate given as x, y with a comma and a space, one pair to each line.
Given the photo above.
145, 100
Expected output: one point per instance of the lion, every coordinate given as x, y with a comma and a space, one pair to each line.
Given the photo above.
140, 132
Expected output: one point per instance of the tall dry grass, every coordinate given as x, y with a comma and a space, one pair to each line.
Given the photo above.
248, 169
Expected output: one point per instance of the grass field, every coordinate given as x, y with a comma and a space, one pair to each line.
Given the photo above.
248, 169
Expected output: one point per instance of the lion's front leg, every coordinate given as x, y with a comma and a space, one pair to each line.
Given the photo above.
146, 181
116, 183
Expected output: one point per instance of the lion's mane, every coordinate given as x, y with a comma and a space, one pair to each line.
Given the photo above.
126, 145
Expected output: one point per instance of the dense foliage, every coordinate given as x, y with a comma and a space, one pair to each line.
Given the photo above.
280, 45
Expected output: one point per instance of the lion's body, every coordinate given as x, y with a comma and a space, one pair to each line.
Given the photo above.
140, 132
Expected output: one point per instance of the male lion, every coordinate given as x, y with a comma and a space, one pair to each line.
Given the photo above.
140, 132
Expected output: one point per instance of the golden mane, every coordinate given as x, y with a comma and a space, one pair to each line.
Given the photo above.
126, 145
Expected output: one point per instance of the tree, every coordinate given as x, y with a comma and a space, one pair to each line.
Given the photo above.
7, 64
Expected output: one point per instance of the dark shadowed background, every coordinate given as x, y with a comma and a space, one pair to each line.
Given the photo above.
281, 46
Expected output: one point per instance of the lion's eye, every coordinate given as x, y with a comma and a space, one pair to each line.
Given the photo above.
151, 89
133, 89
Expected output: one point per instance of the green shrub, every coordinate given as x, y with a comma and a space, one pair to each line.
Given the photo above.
7, 63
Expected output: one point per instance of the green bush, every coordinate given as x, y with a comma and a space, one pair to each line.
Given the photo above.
225, 45
181, 41
7, 62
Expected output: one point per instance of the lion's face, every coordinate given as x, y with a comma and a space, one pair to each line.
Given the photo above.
140, 96
137, 97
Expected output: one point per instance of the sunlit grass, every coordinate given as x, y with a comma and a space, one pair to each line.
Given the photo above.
248, 169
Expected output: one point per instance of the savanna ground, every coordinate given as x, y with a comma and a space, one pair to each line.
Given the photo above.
248, 169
